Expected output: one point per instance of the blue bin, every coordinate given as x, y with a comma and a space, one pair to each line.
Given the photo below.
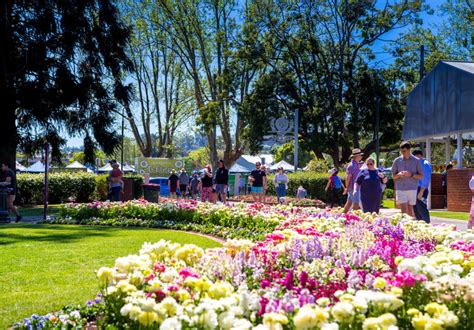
163, 182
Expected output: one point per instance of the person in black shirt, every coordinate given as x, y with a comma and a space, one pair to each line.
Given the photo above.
173, 183
222, 180
10, 177
259, 182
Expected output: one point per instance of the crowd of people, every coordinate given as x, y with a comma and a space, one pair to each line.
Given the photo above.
364, 184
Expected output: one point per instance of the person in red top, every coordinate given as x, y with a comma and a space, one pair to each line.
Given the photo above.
336, 185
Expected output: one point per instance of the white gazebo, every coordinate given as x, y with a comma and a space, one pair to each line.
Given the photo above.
107, 168
19, 167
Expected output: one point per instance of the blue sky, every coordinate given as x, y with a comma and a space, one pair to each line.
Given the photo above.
382, 56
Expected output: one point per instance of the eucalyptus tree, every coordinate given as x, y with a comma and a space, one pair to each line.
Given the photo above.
321, 50
163, 100
61, 70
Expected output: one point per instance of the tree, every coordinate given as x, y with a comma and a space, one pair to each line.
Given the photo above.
61, 71
286, 152
163, 98
322, 48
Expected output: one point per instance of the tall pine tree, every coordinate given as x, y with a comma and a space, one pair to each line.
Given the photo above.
61, 65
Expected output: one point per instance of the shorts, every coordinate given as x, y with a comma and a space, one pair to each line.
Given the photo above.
207, 194
354, 196
406, 197
257, 190
173, 189
182, 188
221, 188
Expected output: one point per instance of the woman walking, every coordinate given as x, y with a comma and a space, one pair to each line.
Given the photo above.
370, 181
281, 184
207, 193
336, 186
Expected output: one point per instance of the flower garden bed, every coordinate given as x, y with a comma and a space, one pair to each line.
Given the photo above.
315, 269
273, 200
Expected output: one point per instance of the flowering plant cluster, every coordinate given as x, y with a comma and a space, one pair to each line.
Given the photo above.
318, 269
235, 220
274, 200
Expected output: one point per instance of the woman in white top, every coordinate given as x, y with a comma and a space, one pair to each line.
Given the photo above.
281, 184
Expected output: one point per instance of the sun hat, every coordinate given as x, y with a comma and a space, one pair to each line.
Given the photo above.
356, 152
115, 165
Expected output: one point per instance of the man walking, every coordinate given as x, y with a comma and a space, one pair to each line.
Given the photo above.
407, 171
183, 182
10, 177
222, 181
259, 182
352, 171
421, 207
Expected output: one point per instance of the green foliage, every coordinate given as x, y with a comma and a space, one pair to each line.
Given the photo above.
198, 158
62, 187
286, 153
318, 165
314, 183
389, 193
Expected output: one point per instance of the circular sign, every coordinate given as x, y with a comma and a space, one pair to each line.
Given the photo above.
282, 124
144, 163
178, 164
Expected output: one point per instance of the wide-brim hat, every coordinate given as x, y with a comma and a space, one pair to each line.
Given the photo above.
356, 152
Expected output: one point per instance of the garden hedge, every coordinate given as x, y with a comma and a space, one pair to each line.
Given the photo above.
64, 187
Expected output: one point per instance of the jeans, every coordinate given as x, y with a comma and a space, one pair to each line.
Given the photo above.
115, 194
421, 209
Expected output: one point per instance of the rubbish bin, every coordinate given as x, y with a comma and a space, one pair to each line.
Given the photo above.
151, 192
3, 204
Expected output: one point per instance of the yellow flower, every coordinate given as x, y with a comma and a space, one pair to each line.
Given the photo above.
419, 321
106, 274
309, 317
398, 260
396, 291
323, 301
147, 318
413, 311
380, 283
220, 290
274, 320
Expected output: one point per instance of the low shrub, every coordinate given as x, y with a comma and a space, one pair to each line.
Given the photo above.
314, 183
62, 187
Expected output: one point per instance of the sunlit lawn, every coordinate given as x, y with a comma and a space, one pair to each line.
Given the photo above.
44, 267
390, 204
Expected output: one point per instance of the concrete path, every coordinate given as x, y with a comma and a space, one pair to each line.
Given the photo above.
460, 224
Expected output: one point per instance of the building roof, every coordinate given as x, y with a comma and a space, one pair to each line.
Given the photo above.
108, 168
19, 167
442, 103
237, 168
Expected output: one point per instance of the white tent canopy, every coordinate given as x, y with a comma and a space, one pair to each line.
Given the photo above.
108, 168
286, 166
20, 167
76, 166
37, 167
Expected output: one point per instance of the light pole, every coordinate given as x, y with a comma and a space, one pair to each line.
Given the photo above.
377, 128
123, 128
46, 186
295, 160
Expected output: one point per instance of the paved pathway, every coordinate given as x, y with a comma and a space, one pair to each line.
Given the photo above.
460, 224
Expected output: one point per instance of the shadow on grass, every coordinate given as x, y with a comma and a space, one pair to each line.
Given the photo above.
48, 233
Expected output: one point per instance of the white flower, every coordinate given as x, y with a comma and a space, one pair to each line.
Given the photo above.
343, 311
330, 326
170, 324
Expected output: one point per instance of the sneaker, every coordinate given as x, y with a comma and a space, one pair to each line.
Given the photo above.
18, 218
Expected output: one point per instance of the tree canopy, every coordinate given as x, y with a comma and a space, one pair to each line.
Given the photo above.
62, 64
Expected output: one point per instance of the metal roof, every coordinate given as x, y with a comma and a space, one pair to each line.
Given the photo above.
442, 103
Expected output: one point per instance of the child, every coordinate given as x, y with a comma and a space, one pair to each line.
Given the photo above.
336, 185
301, 193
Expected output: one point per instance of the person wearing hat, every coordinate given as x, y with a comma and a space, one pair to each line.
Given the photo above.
281, 184
173, 183
352, 171
116, 182
183, 182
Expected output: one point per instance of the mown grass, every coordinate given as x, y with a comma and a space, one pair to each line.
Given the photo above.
390, 204
37, 210
44, 267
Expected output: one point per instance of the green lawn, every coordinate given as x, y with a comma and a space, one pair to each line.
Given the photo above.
44, 267
37, 210
390, 204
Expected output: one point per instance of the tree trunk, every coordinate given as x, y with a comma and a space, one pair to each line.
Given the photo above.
8, 133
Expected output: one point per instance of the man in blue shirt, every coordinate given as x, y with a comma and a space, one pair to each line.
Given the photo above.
421, 209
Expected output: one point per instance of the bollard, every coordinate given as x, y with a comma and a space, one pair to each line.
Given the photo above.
470, 224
